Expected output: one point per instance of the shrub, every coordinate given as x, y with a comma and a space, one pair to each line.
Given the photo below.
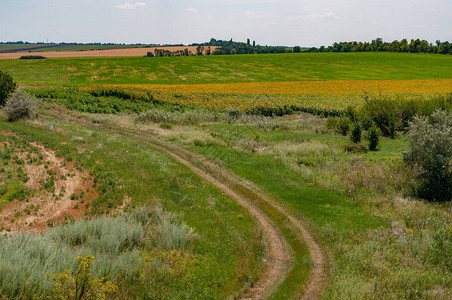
7, 87
373, 135
355, 136
32, 57
81, 285
430, 153
355, 148
234, 113
20, 106
166, 125
343, 125
331, 123
119, 244
390, 113
351, 113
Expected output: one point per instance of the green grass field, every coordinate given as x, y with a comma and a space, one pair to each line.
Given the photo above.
228, 69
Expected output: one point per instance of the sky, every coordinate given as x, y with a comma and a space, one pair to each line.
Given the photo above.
305, 23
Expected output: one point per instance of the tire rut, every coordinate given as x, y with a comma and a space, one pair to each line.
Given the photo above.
227, 181
278, 252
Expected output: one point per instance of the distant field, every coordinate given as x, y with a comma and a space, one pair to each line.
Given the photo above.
126, 52
230, 69
61, 47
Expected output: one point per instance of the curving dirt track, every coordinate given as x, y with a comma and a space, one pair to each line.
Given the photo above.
278, 252
279, 255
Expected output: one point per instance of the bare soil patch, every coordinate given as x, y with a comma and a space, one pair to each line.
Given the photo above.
58, 192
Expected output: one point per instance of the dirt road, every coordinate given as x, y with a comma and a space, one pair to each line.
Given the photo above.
247, 193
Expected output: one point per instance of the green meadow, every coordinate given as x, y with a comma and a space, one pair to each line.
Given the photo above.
229, 69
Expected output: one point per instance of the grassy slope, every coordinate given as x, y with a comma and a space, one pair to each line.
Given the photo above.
234, 68
228, 248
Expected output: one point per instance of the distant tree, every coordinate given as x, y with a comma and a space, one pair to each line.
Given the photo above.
199, 50
254, 43
296, 49
248, 42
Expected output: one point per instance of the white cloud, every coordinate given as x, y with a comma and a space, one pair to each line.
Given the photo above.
252, 15
128, 5
192, 10
324, 16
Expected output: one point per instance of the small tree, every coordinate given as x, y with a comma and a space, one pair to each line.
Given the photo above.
7, 87
20, 106
343, 125
356, 133
374, 138
430, 153
296, 49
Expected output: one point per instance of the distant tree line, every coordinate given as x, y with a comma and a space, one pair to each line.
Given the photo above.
231, 47
164, 52
378, 45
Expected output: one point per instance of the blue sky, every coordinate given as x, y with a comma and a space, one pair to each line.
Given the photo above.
272, 22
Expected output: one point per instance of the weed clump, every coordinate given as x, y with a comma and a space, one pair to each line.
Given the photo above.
20, 106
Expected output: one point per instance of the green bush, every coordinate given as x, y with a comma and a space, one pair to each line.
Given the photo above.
351, 113
356, 133
430, 154
7, 87
373, 135
20, 105
331, 123
343, 125
32, 57
390, 113
355, 148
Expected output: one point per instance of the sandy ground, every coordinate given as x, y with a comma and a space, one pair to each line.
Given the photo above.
129, 52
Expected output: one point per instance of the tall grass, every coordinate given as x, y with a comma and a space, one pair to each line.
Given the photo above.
117, 243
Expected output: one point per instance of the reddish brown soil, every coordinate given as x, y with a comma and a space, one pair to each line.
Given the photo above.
129, 52
44, 208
